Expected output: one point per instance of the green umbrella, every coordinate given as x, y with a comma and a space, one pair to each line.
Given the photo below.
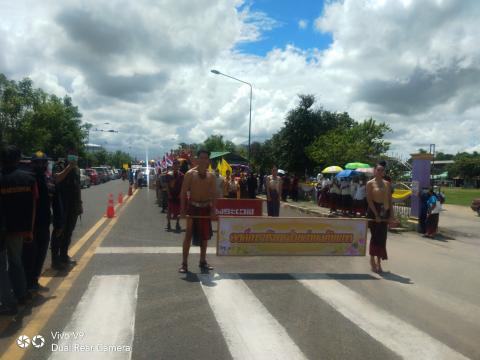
356, 165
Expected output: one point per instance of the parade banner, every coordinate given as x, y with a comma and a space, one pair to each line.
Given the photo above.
291, 236
239, 207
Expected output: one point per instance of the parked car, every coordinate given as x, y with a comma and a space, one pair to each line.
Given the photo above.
102, 174
94, 177
476, 205
84, 179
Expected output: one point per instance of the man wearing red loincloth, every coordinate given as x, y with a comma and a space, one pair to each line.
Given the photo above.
174, 188
199, 208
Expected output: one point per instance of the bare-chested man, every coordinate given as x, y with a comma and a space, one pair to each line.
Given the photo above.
200, 185
379, 198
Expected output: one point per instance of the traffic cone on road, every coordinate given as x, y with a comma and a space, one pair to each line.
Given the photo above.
130, 192
120, 198
110, 207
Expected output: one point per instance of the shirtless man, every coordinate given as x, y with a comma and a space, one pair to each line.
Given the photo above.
174, 186
379, 198
201, 186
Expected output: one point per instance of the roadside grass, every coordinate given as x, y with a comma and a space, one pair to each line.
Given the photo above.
460, 196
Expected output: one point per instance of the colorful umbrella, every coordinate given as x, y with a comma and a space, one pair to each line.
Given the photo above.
356, 165
347, 173
331, 170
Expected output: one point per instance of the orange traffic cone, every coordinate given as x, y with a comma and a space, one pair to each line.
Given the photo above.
130, 192
120, 198
110, 208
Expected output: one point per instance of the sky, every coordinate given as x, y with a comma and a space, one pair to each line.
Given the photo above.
144, 66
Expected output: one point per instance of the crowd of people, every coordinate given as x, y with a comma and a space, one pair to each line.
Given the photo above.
346, 195
31, 200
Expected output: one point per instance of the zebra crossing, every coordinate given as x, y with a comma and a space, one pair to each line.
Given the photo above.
248, 326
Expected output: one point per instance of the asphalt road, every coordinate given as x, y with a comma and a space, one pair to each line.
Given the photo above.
126, 291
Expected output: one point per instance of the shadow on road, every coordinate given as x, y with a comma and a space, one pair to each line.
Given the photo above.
394, 277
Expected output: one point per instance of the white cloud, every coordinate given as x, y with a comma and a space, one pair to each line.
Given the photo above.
302, 24
144, 66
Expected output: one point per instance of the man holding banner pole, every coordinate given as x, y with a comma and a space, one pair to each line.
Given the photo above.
198, 209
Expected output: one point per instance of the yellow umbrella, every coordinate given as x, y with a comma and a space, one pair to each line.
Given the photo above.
332, 170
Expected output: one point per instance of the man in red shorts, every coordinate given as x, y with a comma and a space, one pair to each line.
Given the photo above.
199, 208
174, 187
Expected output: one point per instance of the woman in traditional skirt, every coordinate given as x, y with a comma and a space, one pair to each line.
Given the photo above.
379, 198
335, 197
359, 200
273, 186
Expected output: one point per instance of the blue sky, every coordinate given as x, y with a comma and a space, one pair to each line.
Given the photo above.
288, 13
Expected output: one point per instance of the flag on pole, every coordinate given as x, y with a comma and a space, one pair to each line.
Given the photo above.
224, 166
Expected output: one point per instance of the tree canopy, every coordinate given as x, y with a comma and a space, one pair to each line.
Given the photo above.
34, 120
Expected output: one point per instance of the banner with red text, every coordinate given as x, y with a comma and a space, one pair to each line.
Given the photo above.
239, 207
291, 236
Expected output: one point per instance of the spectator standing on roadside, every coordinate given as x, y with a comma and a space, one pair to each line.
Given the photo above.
285, 187
219, 180
242, 187
433, 214
273, 186
18, 194
7, 299
229, 186
68, 185
252, 185
35, 252
294, 189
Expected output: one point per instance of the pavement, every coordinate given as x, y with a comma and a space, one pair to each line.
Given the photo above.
126, 291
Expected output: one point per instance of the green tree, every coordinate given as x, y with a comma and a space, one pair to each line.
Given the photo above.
360, 142
34, 120
214, 143
303, 125
466, 166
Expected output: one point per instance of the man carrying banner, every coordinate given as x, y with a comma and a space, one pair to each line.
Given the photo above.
174, 187
199, 208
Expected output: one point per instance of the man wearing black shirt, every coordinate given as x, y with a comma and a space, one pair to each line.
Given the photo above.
68, 184
34, 253
18, 194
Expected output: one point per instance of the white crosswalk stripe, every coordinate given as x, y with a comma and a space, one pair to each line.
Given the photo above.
248, 327
261, 337
399, 336
102, 326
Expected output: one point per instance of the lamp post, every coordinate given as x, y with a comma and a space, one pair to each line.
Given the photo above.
216, 72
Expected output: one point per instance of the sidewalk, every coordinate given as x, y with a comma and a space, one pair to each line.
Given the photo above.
454, 220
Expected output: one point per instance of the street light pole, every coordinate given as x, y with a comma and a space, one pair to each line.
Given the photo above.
216, 72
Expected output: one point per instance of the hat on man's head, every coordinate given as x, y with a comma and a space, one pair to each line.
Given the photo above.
39, 156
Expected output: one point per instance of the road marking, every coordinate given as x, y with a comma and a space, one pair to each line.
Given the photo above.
250, 331
397, 335
149, 250
40, 318
105, 315
465, 310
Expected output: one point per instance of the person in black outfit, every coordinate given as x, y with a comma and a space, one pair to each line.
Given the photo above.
252, 186
68, 185
18, 194
35, 252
